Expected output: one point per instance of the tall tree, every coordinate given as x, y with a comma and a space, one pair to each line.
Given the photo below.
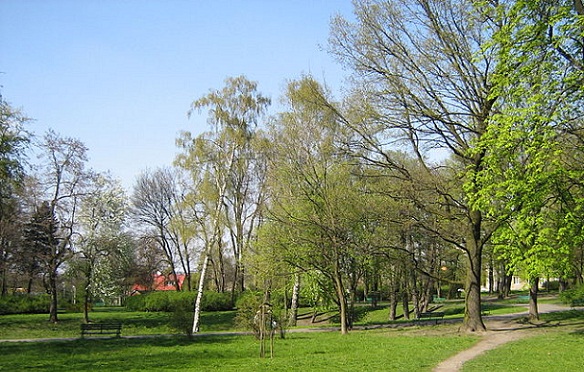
223, 160
157, 205
425, 87
101, 217
14, 140
532, 142
315, 208
62, 177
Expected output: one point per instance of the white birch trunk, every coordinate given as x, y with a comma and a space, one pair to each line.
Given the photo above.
197, 315
294, 302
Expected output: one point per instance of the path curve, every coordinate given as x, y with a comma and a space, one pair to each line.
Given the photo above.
501, 329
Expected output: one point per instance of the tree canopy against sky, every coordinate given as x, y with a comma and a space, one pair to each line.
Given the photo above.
426, 78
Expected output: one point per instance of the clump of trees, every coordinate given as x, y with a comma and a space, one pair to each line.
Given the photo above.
455, 151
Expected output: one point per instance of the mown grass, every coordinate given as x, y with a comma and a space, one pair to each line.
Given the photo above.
134, 323
557, 345
322, 351
142, 323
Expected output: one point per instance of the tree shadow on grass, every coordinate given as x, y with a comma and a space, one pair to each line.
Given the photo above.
161, 353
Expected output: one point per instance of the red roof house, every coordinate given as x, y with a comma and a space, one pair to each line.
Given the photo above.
160, 283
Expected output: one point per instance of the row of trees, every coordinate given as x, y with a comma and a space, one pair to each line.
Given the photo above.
456, 150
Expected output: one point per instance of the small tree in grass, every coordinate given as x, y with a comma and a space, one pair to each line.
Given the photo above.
181, 317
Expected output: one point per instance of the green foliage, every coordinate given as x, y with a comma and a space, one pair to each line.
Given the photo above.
247, 305
181, 318
13, 142
573, 295
24, 304
161, 300
215, 301
167, 300
135, 303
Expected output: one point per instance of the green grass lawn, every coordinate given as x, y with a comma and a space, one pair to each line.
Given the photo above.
134, 323
323, 351
558, 345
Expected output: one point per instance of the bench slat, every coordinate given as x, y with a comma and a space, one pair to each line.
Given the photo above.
101, 329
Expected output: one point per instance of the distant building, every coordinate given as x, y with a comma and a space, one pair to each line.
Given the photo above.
160, 283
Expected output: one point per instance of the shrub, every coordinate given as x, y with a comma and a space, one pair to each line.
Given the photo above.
248, 304
215, 301
135, 303
573, 295
24, 304
158, 301
182, 316
168, 300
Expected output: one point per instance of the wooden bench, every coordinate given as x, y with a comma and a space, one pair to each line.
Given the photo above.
101, 329
431, 315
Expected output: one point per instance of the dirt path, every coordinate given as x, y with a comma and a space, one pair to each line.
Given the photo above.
501, 329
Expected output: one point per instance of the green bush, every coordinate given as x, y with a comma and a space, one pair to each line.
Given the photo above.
215, 301
247, 305
159, 301
136, 303
181, 318
168, 300
24, 304
573, 295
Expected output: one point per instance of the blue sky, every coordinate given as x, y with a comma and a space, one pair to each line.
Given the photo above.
120, 75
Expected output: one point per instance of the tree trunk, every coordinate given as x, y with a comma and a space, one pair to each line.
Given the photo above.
293, 316
53, 318
416, 301
86, 297
472, 313
533, 289
507, 287
491, 277
342, 303
393, 305
29, 285
197, 314
405, 304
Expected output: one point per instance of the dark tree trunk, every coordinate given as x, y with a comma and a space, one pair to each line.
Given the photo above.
491, 277
472, 313
53, 318
405, 304
393, 305
533, 289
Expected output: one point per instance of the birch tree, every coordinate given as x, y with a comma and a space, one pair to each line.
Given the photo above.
221, 163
